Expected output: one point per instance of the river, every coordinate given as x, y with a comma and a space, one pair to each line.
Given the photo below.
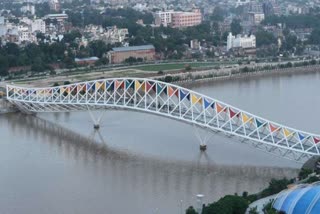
141, 163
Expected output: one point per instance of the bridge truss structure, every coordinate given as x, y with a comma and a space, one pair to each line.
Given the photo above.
172, 101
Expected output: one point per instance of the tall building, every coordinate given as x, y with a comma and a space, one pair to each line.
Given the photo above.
178, 19
240, 41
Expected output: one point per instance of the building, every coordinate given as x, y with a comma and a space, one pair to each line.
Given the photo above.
195, 44
109, 35
244, 42
25, 35
178, 19
54, 5
59, 17
115, 35
3, 29
144, 52
271, 8
12, 35
163, 18
242, 2
298, 199
255, 18
255, 13
186, 19
38, 25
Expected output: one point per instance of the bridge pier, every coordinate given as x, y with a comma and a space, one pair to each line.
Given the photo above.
203, 147
96, 122
203, 138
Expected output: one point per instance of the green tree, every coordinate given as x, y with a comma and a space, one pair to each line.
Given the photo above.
236, 27
98, 48
4, 66
12, 48
42, 9
218, 14
315, 37
275, 186
188, 67
160, 72
290, 43
131, 60
229, 204
191, 210
168, 79
269, 209
38, 65
253, 210
70, 37
265, 38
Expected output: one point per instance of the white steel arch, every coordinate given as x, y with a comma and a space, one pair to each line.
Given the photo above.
171, 101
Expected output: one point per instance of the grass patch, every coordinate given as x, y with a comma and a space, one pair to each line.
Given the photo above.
165, 67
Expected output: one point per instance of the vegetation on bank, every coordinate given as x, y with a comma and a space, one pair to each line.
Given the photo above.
234, 204
243, 70
174, 66
188, 67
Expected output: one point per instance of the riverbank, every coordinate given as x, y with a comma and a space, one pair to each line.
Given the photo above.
6, 107
216, 76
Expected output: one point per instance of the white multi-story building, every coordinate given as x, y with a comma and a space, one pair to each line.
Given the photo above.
109, 35
38, 25
163, 18
59, 17
116, 35
241, 41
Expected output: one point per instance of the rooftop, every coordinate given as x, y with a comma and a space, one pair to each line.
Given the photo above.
300, 199
60, 15
86, 59
133, 48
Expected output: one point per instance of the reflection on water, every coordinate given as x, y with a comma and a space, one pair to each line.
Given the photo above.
83, 175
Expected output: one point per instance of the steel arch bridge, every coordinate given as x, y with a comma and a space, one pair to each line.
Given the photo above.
171, 101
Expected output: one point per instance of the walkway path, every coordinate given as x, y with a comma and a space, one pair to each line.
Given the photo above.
261, 203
